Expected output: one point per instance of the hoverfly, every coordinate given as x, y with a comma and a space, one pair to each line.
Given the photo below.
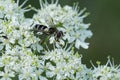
50, 29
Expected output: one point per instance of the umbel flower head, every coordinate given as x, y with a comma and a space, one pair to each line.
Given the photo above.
61, 64
20, 64
14, 27
10, 10
19, 45
67, 19
110, 71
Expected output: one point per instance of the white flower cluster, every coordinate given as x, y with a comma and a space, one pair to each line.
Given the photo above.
64, 64
14, 27
20, 64
68, 19
11, 10
23, 57
107, 72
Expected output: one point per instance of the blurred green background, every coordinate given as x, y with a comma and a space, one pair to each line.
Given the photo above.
105, 25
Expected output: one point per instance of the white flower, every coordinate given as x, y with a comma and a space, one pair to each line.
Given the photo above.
6, 74
22, 62
38, 75
15, 28
19, 45
106, 72
65, 65
10, 10
68, 19
26, 73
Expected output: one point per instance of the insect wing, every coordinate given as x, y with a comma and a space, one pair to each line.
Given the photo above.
49, 20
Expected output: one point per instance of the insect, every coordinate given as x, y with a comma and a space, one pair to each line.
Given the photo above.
50, 29
40, 28
58, 35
